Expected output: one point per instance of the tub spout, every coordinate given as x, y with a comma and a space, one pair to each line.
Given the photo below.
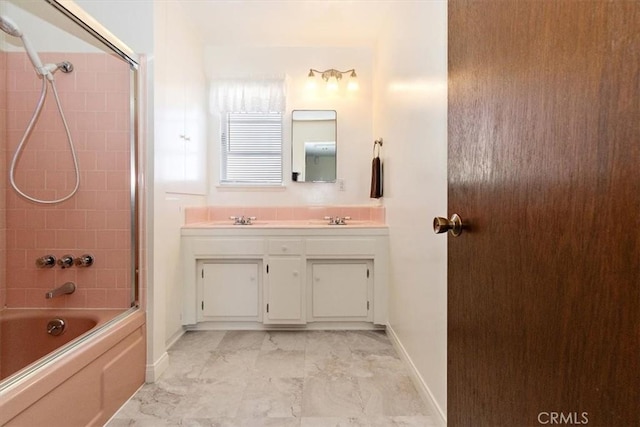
67, 288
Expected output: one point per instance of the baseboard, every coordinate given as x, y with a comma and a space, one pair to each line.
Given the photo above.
259, 326
171, 341
417, 379
154, 371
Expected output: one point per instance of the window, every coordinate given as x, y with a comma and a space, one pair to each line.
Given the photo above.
251, 148
250, 112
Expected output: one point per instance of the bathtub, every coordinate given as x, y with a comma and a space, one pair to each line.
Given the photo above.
80, 377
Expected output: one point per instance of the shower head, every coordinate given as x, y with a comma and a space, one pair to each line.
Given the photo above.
11, 28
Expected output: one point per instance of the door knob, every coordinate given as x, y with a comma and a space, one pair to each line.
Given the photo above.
453, 225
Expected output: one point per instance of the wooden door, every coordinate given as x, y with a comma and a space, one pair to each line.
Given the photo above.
544, 169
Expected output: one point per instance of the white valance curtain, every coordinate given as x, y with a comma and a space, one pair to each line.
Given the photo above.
248, 96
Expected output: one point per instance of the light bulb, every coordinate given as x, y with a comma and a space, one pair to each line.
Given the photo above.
311, 84
332, 83
311, 81
353, 82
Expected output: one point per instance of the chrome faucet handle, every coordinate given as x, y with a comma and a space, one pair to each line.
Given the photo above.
337, 220
85, 260
242, 220
47, 261
66, 261
341, 220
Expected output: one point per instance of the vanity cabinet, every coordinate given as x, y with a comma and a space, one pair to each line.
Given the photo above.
284, 291
229, 290
284, 282
309, 277
340, 290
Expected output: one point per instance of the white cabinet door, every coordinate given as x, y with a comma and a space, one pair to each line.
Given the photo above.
341, 290
230, 290
284, 291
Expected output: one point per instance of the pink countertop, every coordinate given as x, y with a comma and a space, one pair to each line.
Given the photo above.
286, 224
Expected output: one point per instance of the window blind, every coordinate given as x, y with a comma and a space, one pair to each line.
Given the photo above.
251, 148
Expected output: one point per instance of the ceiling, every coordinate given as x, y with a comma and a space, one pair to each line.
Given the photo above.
289, 22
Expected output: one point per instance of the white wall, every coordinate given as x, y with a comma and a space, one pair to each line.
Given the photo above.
180, 101
354, 113
131, 21
411, 116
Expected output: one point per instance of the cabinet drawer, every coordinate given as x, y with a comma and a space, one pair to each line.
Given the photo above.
286, 247
337, 247
203, 248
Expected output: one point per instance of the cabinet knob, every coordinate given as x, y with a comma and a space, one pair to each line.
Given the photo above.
295, 274
285, 249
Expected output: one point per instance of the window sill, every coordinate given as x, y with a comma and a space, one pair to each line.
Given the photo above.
240, 187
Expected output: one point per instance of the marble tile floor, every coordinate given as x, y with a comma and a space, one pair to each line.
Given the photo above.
280, 379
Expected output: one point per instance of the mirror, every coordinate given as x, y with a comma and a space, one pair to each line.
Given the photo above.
313, 145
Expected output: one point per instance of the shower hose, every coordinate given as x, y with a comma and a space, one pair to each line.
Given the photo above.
25, 138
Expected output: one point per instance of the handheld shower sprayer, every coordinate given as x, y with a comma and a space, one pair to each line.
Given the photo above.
11, 28
8, 26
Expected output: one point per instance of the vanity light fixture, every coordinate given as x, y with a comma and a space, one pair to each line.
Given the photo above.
332, 77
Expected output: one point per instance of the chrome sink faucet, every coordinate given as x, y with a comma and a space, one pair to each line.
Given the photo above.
66, 289
242, 220
337, 220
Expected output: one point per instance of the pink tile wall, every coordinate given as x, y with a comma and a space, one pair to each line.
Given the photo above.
3, 176
95, 99
284, 213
